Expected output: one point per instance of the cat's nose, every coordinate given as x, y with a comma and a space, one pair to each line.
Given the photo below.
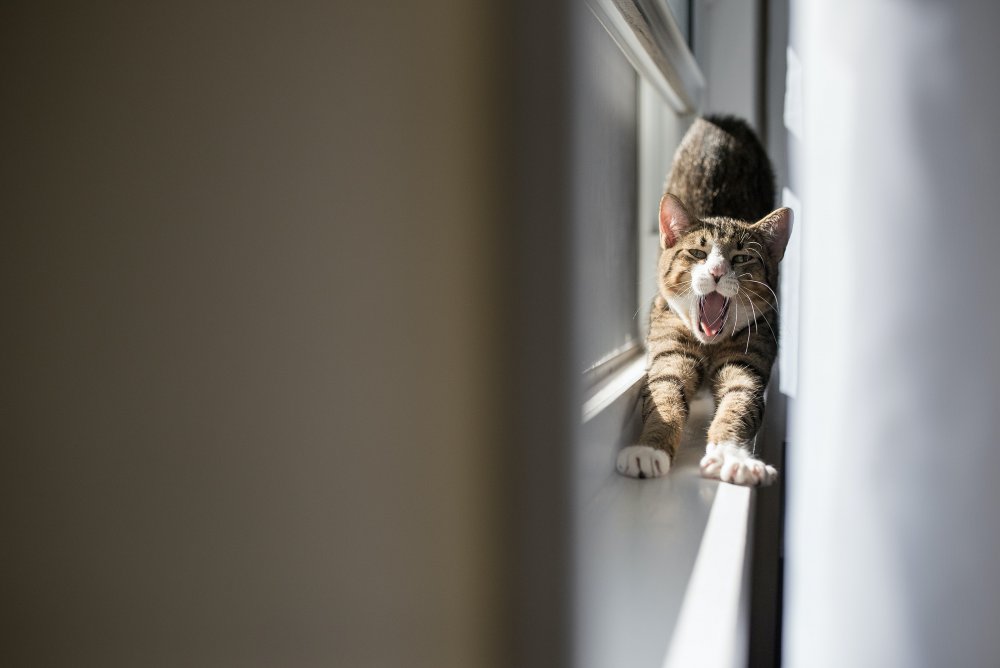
717, 272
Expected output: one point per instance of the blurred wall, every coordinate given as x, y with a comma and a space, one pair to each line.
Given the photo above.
727, 42
255, 261
893, 538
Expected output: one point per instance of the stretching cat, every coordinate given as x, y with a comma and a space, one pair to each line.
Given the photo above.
715, 317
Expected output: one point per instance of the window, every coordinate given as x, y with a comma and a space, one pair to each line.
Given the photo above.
635, 90
605, 162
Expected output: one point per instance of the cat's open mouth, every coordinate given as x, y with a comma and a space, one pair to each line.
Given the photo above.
712, 310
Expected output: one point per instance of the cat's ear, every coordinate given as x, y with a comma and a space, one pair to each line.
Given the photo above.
776, 228
674, 220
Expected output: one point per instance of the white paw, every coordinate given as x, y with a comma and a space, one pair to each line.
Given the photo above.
732, 462
643, 461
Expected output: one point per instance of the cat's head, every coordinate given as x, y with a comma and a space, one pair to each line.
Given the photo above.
719, 274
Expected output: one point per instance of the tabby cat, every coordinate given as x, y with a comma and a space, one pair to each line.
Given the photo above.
715, 317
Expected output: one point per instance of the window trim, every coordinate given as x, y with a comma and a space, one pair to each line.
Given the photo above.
648, 35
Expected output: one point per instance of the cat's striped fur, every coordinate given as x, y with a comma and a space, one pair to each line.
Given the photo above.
715, 317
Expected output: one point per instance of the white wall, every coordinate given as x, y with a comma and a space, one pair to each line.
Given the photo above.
893, 538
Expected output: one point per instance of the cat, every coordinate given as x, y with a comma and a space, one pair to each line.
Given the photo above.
714, 318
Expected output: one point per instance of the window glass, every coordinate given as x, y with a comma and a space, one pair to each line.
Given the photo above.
605, 164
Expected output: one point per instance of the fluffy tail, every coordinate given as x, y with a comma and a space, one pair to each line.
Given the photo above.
722, 169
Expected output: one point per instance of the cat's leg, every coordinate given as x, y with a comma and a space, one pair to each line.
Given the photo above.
671, 379
739, 400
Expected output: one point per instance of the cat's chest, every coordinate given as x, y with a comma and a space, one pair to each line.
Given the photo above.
671, 342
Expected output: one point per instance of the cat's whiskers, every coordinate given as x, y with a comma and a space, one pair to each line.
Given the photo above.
736, 317
756, 327
766, 302
754, 280
689, 288
747, 349
756, 319
773, 335
775, 304
764, 317
748, 330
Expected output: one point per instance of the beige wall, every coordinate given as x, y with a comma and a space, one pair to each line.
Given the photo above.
251, 364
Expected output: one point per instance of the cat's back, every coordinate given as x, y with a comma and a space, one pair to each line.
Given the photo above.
722, 169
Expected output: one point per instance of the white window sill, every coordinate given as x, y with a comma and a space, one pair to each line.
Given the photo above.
661, 573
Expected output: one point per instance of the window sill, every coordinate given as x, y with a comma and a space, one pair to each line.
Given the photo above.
661, 573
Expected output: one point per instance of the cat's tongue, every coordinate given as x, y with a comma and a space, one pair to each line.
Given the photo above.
713, 313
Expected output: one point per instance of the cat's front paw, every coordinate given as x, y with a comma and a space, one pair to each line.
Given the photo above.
643, 461
731, 462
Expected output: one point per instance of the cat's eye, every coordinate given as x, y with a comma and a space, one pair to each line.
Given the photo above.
701, 255
740, 259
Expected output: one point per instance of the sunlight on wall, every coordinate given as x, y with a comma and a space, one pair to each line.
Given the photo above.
891, 547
